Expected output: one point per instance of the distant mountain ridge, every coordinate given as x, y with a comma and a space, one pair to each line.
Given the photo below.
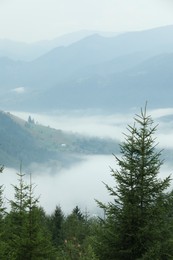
94, 72
29, 51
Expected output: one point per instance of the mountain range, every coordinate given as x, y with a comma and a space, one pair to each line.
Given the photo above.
30, 51
95, 72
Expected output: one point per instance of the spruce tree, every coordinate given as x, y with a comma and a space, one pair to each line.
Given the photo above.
56, 221
75, 231
28, 237
17, 219
135, 220
3, 242
2, 208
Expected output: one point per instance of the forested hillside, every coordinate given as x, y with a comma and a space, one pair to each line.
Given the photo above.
27, 142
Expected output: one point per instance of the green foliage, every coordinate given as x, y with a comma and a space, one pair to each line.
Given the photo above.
76, 231
137, 224
135, 219
27, 235
75, 226
3, 242
55, 223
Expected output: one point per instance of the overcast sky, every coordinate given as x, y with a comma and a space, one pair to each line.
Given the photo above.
34, 20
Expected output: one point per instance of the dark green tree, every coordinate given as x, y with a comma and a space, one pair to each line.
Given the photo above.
135, 222
28, 237
38, 240
2, 208
75, 232
17, 219
75, 225
55, 222
3, 242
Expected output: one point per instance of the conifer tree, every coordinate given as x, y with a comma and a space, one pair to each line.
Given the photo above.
28, 237
75, 231
56, 221
135, 220
17, 219
3, 242
75, 225
2, 208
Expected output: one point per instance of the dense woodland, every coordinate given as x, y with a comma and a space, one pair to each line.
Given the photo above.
137, 222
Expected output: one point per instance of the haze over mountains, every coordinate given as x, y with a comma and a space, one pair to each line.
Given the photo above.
30, 51
94, 72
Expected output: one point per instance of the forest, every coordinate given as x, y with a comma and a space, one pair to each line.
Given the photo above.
137, 222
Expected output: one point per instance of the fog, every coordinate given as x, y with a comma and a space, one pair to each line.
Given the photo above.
79, 185
105, 125
83, 122
82, 183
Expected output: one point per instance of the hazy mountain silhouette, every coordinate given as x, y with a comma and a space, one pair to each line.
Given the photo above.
94, 72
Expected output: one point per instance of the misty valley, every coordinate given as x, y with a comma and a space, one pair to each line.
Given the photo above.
72, 162
57, 194
82, 175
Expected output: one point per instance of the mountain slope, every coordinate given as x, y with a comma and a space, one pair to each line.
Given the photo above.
27, 142
30, 51
150, 80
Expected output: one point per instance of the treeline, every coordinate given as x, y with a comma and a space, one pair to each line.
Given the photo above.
137, 223
27, 232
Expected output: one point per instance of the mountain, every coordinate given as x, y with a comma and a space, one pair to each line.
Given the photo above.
30, 51
63, 62
94, 72
150, 80
27, 142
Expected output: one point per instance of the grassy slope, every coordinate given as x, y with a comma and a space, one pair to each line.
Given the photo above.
25, 142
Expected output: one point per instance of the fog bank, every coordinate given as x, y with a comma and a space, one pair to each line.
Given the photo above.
105, 125
82, 183
79, 185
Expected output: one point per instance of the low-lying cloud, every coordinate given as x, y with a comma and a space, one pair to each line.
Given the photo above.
81, 122
79, 185
19, 90
82, 183
106, 125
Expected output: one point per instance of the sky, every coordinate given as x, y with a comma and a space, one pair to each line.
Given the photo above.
35, 20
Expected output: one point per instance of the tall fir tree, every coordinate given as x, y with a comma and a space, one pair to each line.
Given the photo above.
28, 237
17, 219
76, 231
56, 221
136, 220
3, 242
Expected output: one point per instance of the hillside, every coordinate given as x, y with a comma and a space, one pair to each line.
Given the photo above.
28, 142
